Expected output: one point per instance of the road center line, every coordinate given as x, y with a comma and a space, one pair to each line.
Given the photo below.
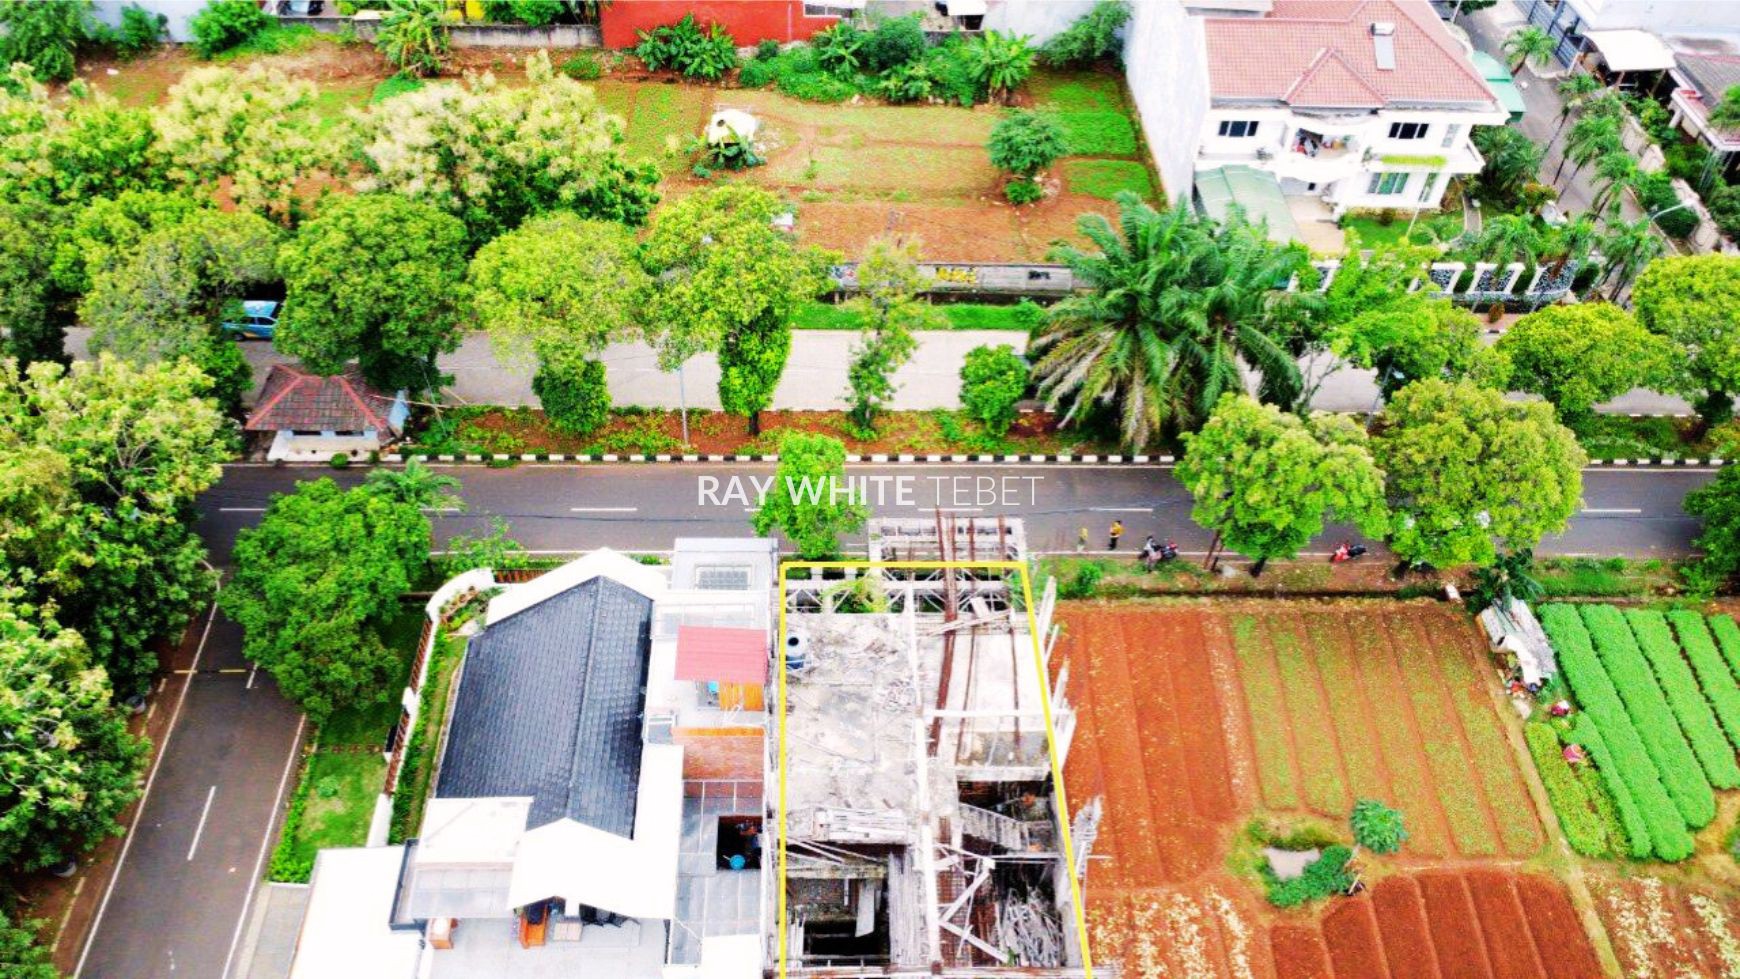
199, 830
241, 509
603, 509
1122, 509
1611, 510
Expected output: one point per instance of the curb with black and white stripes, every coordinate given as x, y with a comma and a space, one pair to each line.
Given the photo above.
1668, 462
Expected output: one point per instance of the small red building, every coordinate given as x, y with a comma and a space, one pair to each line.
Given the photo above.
749, 21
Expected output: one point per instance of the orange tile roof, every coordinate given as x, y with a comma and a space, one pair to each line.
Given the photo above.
1320, 53
294, 398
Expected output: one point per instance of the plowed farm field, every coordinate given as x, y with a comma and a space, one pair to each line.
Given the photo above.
1193, 717
1659, 929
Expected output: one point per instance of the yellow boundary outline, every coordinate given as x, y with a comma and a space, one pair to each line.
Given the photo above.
1044, 700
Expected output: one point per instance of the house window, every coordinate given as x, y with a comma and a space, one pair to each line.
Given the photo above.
824, 10
1427, 186
1450, 134
722, 577
1408, 130
1238, 128
1386, 184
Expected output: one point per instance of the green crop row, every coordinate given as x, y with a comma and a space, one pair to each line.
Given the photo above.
1627, 829
1650, 715
1728, 636
1576, 811
1631, 775
1685, 697
1713, 673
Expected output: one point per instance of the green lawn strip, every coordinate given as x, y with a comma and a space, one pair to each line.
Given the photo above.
1106, 179
1458, 784
1518, 823
395, 85
1685, 697
1410, 772
1374, 233
1020, 317
1308, 714
1714, 677
1097, 133
1628, 828
1620, 752
1576, 811
1331, 651
1267, 708
1648, 708
418, 766
1075, 90
1727, 635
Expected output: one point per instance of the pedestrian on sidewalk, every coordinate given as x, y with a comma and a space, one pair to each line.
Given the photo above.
1116, 532
1081, 540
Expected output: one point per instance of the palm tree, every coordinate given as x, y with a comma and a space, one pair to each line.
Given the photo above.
1529, 44
1592, 137
1512, 162
1725, 114
1568, 242
1508, 238
1627, 247
1617, 172
416, 484
1575, 90
1176, 304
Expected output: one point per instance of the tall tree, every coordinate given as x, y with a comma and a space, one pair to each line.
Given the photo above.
1513, 161
1594, 135
257, 128
1626, 248
1468, 470
67, 764
1175, 304
1691, 301
1415, 336
103, 231
44, 36
1508, 238
1530, 45
1574, 91
316, 581
34, 312
494, 155
1266, 481
379, 279
69, 150
809, 501
1579, 356
1717, 503
889, 307
1617, 174
725, 279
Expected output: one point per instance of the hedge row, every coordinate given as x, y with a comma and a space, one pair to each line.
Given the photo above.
1685, 697
1627, 828
1728, 636
1713, 673
1576, 811
1619, 751
1650, 715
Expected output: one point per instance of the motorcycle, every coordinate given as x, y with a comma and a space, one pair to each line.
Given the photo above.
1347, 552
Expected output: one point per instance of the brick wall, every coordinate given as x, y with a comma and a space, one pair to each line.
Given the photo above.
748, 21
710, 755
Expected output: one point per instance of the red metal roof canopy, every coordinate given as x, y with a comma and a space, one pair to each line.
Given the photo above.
721, 655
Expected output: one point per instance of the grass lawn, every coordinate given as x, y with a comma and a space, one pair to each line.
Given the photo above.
1107, 178
1098, 133
419, 763
1373, 233
960, 316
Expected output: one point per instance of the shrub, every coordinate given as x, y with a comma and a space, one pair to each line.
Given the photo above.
1724, 205
537, 13
1093, 36
573, 392
895, 42
1000, 62
1326, 877
584, 66
1570, 800
1084, 583
766, 49
815, 86
413, 37
993, 379
1618, 746
1650, 714
1023, 191
839, 50
223, 24
46, 35
688, 49
1716, 680
1685, 697
911, 82
1377, 827
1097, 132
1655, 193
339, 460
140, 32
1024, 143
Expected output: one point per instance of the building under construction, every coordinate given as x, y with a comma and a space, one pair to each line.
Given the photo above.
922, 823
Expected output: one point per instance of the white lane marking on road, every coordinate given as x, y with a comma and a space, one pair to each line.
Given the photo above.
440, 509
145, 796
251, 673
199, 830
604, 509
1611, 510
241, 509
1122, 509
265, 841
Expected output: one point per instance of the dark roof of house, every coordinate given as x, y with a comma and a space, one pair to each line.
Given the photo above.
1713, 74
296, 399
549, 706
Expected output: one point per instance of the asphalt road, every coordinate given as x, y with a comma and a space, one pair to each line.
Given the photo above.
192, 859
1635, 512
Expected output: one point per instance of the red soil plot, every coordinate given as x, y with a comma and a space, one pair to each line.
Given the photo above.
1558, 933
1509, 945
1455, 930
1299, 953
1401, 920
1661, 929
1355, 948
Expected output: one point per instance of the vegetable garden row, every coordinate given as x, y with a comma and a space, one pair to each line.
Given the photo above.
1660, 717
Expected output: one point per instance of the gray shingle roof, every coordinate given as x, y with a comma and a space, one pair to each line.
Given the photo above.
550, 704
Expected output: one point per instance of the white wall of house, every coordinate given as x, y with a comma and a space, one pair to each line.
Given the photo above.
1168, 73
1039, 18
179, 13
1658, 16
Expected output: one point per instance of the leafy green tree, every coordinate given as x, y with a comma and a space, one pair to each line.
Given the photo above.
993, 379
413, 36
166, 298
223, 24
1579, 356
44, 35
894, 42
1725, 114
1692, 302
21, 957
726, 280
104, 230
1094, 36
493, 155
1510, 578
69, 764
1377, 827
1025, 143
1508, 238
69, 150
116, 553
1468, 470
1414, 336
379, 279
33, 312
1575, 90
1627, 247
572, 389
1593, 136
1617, 174
1717, 503
890, 310
316, 581
1000, 63
255, 127
1513, 161
1266, 481
1175, 303
802, 503
1530, 44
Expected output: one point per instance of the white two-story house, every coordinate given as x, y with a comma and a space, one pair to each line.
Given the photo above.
1362, 103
